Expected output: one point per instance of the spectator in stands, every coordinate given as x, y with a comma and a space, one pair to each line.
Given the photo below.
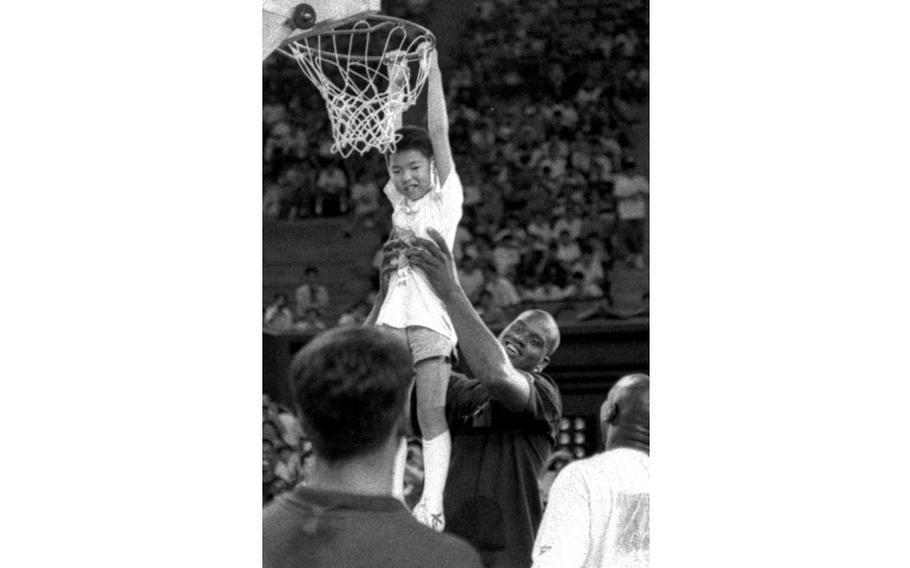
271, 201
481, 248
287, 467
570, 223
590, 266
489, 312
631, 191
278, 315
599, 508
272, 433
512, 229
600, 250
365, 202
541, 228
525, 286
567, 249
351, 387
503, 292
593, 223
332, 186
589, 93
507, 255
269, 458
311, 321
464, 234
578, 289
284, 146
311, 294
471, 277
549, 290
269, 409
291, 431
356, 315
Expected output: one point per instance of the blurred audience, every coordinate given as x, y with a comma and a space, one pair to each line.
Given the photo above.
310, 294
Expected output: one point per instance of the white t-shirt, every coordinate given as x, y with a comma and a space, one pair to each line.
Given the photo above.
411, 299
630, 194
598, 514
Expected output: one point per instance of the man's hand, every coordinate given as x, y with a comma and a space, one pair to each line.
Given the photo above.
390, 252
435, 259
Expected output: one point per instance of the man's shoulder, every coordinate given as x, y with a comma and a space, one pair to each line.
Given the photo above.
413, 544
595, 465
541, 381
404, 542
448, 549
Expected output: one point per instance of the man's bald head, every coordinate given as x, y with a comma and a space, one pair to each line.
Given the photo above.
530, 340
625, 416
549, 327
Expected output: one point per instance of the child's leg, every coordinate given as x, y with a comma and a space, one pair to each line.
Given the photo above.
432, 383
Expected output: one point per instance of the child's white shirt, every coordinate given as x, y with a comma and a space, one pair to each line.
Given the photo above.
411, 299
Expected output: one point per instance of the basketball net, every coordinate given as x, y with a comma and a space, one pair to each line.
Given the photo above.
368, 72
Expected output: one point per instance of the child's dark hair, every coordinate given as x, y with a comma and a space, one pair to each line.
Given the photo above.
414, 138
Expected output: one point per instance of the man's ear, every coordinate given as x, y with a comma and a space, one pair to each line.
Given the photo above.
543, 364
612, 414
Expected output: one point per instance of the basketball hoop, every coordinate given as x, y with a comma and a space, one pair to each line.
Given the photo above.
369, 70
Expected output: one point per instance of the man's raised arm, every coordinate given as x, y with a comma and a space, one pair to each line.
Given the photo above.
482, 351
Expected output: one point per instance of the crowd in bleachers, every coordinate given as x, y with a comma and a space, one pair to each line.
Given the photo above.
539, 129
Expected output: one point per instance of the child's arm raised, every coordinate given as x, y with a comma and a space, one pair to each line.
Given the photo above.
438, 120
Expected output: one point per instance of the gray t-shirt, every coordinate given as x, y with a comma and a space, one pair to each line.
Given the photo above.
325, 529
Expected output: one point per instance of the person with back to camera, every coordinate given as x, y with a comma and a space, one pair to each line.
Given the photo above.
504, 420
426, 192
351, 389
598, 513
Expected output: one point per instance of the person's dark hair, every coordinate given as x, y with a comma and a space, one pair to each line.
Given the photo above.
414, 138
311, 270
350, 385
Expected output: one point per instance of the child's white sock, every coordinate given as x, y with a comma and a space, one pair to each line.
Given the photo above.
436, 454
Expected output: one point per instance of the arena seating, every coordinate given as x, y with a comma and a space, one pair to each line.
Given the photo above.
570, 30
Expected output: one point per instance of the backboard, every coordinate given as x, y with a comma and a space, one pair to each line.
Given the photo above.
283, 18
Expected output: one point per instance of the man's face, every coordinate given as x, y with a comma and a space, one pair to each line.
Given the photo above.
527, 341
